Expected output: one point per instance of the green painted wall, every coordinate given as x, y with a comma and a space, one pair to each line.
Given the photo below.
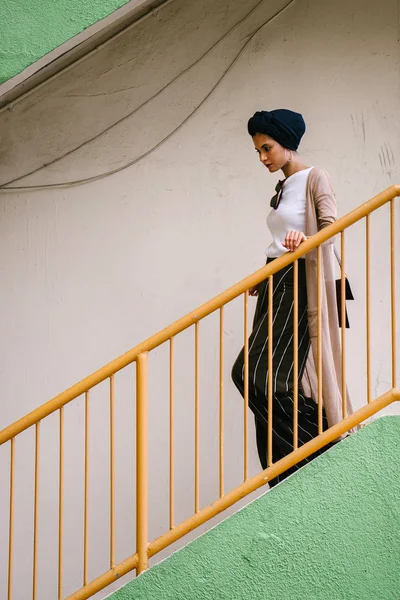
29, 29
330, 532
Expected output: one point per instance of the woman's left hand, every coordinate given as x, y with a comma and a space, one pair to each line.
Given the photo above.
293, 240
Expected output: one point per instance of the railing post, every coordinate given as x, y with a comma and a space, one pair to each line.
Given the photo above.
246, 388
393, 290
142, 461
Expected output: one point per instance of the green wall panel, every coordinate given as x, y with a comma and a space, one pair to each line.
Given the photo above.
29, 29
330, 532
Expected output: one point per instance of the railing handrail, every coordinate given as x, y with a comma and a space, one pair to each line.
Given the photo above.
196, 315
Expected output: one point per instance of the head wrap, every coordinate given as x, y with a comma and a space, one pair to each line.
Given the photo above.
284, 126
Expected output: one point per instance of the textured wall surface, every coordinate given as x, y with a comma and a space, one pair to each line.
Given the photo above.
330, 532
29, 30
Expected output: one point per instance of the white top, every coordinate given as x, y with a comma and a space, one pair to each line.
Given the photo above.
290, 214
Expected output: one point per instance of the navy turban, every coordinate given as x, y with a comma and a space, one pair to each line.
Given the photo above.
284, 126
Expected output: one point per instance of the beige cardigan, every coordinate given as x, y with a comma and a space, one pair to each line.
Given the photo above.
320, 212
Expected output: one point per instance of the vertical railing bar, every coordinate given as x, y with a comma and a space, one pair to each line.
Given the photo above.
171, 433
393, 290
11, 522
319, 338
61, 506
221, 402
142, 475
36, 510
197, 424
86, 492
295, 353
112, 474
343, 319
368, 307
270, 374
246, 385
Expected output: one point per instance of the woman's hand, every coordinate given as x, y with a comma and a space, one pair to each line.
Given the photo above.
293, 240
254, 291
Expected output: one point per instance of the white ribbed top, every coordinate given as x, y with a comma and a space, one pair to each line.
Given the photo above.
290, 214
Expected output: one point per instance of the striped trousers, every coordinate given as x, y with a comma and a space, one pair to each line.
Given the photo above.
282, 370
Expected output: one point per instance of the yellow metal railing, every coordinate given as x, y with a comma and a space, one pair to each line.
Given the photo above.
146, 548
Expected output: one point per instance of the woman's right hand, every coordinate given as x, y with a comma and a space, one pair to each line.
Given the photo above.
254, 290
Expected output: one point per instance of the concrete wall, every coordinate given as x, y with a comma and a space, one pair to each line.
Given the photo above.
90, 270
29, 30
329, 531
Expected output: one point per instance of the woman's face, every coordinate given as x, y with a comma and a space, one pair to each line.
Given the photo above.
272, 155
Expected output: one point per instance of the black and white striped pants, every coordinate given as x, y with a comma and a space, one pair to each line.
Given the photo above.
282, 369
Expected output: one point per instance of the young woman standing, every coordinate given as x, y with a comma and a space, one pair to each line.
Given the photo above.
303, 204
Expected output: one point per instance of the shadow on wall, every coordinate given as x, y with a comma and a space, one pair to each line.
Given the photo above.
111, 99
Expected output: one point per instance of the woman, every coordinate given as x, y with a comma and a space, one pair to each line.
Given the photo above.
304, 204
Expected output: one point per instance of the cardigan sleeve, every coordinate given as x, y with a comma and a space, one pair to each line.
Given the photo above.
324, 199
